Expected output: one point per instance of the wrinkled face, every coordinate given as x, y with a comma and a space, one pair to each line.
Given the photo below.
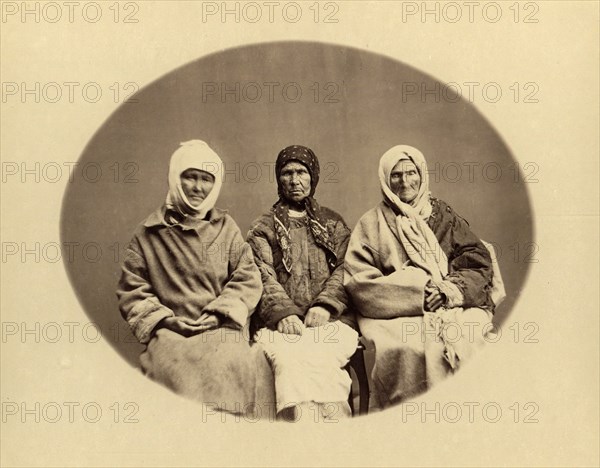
405, 180
295, 181
196, 185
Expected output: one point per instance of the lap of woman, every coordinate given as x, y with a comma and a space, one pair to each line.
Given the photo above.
218, 367
409, 351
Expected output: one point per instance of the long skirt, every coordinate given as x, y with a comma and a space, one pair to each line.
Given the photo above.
310, 368
218, 367
414, 353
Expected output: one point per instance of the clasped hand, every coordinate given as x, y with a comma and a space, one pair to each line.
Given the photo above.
187, 327
315, 317
434, 299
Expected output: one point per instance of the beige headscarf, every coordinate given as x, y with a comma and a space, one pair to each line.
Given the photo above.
417, 238
193, 154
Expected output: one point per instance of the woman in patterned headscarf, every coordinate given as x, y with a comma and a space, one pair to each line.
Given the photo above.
188, 287
299, 248
419, 278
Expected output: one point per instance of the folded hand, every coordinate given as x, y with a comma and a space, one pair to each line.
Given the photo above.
187, 327
433, 298
291, 325
317, 316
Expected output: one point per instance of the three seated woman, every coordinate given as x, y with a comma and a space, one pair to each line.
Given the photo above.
190, 285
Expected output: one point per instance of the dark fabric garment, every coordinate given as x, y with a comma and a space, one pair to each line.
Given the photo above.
309, 271
280, 297
469, 261
316, 224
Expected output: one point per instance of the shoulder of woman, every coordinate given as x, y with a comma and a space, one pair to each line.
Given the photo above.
228, 220
141, 235
217, 214
368, 221
231, 230
156, 218
140, 232
332, 215
445, 210
263, 224
150, 224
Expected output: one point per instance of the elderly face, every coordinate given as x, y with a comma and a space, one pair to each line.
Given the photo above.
295, 181
405, 180
196, 185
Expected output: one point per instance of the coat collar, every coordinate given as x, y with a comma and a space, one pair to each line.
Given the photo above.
157, 218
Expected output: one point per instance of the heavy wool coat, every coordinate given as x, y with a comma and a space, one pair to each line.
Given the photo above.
182, 271
389, 291
174, 270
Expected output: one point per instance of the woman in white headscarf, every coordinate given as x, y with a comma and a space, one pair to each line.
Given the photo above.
188, 287
420, 279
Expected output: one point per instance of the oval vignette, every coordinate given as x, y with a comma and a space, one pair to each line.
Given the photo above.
247, 103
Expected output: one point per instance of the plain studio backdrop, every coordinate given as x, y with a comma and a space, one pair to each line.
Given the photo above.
248, 103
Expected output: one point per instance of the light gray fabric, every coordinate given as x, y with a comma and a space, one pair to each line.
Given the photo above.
218, 367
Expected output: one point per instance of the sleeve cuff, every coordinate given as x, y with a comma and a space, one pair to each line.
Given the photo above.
149, 313
453, 294
275, 317
233, 309
330, 306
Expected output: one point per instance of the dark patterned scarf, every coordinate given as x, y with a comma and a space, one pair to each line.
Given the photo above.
316, 219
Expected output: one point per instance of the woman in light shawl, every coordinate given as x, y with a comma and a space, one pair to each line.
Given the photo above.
188, 287
420, 279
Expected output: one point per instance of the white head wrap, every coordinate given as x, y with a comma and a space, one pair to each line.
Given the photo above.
421, 205
193, 154
418, 239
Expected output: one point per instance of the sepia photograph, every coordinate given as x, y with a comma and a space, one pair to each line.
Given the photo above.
300, 233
